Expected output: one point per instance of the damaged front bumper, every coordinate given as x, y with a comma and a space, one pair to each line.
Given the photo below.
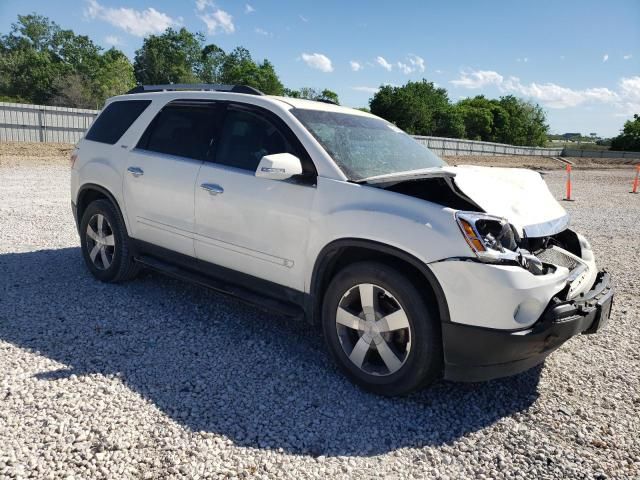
475, 353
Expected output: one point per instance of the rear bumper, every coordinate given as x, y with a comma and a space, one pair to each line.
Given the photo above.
476, 354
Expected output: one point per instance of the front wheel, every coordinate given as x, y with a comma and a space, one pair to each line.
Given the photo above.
380, 330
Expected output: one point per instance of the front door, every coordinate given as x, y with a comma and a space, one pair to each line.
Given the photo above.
253, 225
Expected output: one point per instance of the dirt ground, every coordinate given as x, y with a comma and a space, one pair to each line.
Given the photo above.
11, 153
542, 163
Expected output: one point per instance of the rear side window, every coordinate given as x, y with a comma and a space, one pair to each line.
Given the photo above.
115, 120
246, 137
182, 130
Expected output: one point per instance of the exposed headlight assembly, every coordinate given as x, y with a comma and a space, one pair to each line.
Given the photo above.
494, 240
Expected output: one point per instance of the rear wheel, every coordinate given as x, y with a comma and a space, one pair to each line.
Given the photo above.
105, 243
380, 330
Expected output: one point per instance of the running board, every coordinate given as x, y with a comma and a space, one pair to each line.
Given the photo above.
241, 293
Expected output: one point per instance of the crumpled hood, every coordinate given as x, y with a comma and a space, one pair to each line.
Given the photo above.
517, 194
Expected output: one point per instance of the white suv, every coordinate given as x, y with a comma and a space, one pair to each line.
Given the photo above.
416, 270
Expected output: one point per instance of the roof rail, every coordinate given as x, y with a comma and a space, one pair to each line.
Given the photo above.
197, 87
326, 100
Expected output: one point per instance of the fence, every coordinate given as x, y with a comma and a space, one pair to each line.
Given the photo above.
38, 123
454, 146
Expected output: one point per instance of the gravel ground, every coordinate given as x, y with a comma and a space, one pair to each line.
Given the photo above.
157, 378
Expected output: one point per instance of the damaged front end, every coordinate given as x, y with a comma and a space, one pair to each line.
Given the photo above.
507, 216
495, 240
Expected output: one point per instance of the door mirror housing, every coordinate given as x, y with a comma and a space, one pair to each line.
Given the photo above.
279, 166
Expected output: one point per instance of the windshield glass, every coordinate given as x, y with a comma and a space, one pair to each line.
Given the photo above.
366, 147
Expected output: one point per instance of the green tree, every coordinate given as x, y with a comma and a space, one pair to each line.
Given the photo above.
114, 75
171, 57
419, 108
477, 116
181, 57
629, 138
309, 93
42, 63
521, 123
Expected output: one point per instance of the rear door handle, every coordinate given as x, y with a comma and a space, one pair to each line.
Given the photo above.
135, 171
212, 188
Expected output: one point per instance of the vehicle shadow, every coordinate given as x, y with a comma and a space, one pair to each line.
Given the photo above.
214, 364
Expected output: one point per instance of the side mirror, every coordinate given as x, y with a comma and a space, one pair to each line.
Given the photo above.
279, 166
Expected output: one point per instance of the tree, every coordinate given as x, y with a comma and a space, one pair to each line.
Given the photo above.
309, 93
521, 123
171, 57
42, 63
114, 75
477, 115
181, 57
238, 68
629, 138
419, 108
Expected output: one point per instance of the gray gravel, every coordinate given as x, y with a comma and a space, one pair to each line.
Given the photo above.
157, 378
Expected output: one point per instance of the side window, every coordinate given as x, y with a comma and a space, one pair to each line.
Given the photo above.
246, 137
182, 130
115, 120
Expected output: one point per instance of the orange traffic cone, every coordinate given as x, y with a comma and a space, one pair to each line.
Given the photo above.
568, 197
635, 180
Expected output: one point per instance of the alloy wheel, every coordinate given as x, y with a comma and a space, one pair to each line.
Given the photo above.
373, 329
100, 241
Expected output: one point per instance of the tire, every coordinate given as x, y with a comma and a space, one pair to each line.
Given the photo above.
106, 249
350, 331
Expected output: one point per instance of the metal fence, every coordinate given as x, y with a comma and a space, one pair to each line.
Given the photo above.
38, 123
569, 152
455, 146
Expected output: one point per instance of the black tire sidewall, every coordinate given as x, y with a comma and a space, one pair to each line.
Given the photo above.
424, 363
105, 208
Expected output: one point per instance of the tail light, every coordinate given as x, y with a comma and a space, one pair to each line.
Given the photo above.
73, 158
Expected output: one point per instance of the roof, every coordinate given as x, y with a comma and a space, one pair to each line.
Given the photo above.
283, 102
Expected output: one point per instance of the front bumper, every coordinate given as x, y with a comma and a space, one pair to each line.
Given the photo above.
475, 353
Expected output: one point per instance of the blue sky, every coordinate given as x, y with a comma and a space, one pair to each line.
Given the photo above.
579, 59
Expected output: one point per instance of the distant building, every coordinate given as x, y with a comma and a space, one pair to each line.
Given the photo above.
569, 136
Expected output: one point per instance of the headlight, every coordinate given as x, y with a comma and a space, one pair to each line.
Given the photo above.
491, 238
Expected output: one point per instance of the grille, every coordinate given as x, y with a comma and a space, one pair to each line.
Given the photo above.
556, 256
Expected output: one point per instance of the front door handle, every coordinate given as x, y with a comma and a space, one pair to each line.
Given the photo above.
212, 188
135, 171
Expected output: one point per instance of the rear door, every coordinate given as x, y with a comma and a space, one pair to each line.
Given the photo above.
161, 174
254, 225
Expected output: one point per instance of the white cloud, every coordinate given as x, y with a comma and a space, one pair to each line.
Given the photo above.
249, 9
404, 68
413, 63
355, 66
113, 40
439, 72
136, 22
478, 79
303, 18
383, 63
263, 32
202, 4
627, 57
216, 20
550, 94
366, 89
524, 59
318, 61
629, 95
605, 57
